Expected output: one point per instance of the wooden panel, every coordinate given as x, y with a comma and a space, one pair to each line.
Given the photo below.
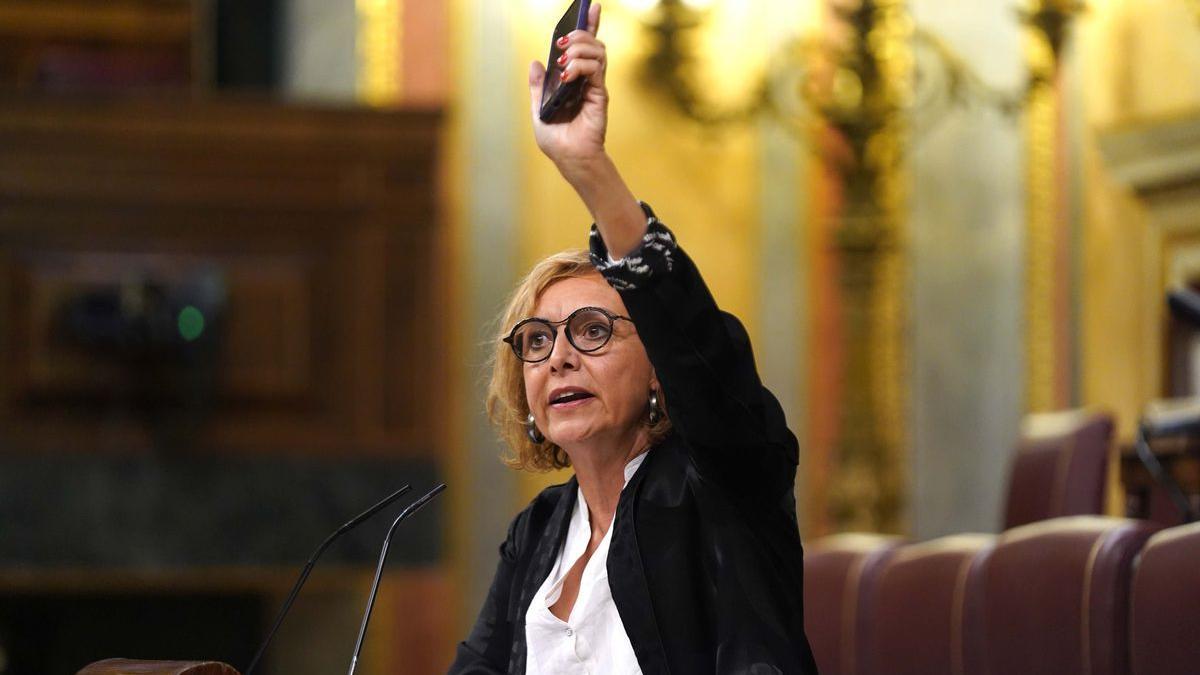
412, 628
70, 44
137, 22
266, 352
319, 224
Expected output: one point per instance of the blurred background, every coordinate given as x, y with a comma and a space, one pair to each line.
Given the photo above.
251, 255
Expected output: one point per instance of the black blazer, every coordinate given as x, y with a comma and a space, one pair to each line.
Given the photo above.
705, 562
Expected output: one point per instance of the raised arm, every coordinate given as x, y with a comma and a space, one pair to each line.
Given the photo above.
701, 355
577, 147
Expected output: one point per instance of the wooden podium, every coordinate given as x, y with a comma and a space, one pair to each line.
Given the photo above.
135, 667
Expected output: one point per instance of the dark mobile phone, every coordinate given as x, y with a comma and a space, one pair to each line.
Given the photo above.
560, 102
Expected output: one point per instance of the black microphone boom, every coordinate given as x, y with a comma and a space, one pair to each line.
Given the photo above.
387, 542
312, 560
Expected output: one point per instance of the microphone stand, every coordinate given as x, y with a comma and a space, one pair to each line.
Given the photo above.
1141, 446
312, 560
387, 542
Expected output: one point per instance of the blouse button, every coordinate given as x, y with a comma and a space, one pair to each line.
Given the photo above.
570, 632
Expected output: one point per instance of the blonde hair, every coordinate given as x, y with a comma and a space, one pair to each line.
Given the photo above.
507, 405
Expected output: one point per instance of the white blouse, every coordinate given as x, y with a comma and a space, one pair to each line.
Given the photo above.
592, 640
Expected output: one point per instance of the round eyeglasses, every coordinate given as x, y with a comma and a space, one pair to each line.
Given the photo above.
588, 329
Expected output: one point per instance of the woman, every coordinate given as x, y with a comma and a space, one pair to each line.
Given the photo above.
674, 548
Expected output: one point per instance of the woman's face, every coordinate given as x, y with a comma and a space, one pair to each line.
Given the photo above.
614, 381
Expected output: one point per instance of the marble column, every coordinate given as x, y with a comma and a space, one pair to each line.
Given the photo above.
967, 220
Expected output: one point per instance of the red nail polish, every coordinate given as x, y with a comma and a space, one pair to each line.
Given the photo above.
562, 41
562, 59
563, 77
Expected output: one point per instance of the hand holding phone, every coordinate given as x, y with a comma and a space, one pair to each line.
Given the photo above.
576, 131
561, 101
570, 122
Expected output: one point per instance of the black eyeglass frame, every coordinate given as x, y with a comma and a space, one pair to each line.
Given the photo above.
612, 322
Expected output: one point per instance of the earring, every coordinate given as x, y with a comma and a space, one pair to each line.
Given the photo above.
655, 411
531, 430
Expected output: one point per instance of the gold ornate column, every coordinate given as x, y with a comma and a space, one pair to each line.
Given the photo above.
849, 88
1041, 203
1048, 283
872, 85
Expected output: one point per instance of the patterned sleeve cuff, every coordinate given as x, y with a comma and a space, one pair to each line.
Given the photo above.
654, 257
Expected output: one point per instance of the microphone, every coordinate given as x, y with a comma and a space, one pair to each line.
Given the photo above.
312, 560
387, 542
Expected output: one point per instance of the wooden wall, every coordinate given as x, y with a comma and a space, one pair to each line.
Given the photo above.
319, 228
71, 44
320, 225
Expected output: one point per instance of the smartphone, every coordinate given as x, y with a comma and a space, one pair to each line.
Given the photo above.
560, 102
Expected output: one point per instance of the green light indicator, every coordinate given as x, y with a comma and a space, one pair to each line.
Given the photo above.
190, 322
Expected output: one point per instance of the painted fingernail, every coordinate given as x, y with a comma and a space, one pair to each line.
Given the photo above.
562, 59
563, 41
563, 77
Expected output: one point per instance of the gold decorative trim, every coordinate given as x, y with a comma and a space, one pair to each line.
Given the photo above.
380, 26
867, 483
889, 335
1040, 245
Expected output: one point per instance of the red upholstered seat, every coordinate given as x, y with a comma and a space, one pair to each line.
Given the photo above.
1165, 626
1052, 598
1060, 467
916, 618
839, 573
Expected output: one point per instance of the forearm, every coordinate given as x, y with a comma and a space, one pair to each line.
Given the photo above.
614, 209
734, 428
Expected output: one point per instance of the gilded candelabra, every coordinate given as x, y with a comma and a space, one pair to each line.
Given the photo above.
863, 91
818, 78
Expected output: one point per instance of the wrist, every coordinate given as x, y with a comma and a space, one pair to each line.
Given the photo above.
582, 171
613, 207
